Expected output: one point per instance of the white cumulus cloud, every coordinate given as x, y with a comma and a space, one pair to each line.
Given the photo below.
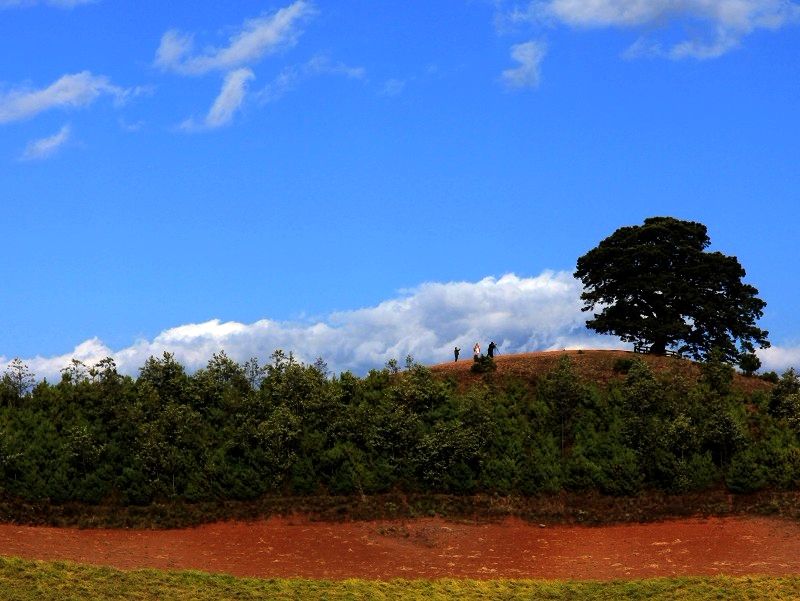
779, 358
46, 147
711, 27
519, 313
255, 38
69, 91
529, 56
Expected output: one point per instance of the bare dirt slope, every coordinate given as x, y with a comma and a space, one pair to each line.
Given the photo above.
431, 548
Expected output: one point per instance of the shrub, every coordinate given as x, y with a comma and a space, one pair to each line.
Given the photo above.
785, 401
717, 374
789, 471
696, 473
582, 473
482, 365
749, 363
540, 469
620, 472
770, 376
622, 365
745, 472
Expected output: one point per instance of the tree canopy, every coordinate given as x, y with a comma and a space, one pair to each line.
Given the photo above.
656, 285
216, 435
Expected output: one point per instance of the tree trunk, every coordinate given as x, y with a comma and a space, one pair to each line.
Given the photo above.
659, 347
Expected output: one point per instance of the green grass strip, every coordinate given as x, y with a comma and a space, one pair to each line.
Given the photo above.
23, 580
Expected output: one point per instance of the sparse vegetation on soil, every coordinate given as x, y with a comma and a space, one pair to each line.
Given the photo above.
60, 581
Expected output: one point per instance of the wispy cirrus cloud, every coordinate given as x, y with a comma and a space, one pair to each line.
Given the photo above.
70, 91
254, 39
290, 77
705, 29
131, 126
529, 57
46, 147
392, 87
226, 104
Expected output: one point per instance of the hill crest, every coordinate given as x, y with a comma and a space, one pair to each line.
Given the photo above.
592, 365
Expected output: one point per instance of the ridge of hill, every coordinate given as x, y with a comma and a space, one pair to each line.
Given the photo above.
596, 366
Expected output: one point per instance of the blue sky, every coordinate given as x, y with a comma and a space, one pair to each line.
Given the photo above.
175, 174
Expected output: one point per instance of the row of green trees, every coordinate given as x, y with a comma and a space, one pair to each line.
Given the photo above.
232, 431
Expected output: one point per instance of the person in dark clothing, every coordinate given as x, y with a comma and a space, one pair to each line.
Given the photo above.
491, 349
455, 352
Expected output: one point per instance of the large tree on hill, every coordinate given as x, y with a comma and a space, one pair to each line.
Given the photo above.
656, 285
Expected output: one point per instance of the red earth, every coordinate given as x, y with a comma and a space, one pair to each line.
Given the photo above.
592, 365
430, 548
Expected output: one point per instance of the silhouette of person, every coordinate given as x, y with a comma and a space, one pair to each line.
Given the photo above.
491, 349
455, 352
476, 350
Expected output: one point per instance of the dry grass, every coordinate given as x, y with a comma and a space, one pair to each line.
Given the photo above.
22, 580
591, 365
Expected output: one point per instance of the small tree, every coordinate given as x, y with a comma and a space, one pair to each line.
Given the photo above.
254, 372
75, 372
750, 363
18, 378
483, 365
785, 400
717, 374
564, 393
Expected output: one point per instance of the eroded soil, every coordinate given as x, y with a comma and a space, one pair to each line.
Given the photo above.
430, 548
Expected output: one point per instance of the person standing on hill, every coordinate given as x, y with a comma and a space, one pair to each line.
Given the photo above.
476, 351
491, 349
456, 350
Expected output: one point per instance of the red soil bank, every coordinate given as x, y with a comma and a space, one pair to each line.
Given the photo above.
431, 548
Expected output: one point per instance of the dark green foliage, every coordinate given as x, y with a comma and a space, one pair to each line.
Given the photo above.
564, 395
698, 472
770, 376
482, 365
238, 433
785, 401
659, 287
717, 373
749, 363
746, 472
16, 382
622, 365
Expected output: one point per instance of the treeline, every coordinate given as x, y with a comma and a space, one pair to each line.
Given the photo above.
232, 431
